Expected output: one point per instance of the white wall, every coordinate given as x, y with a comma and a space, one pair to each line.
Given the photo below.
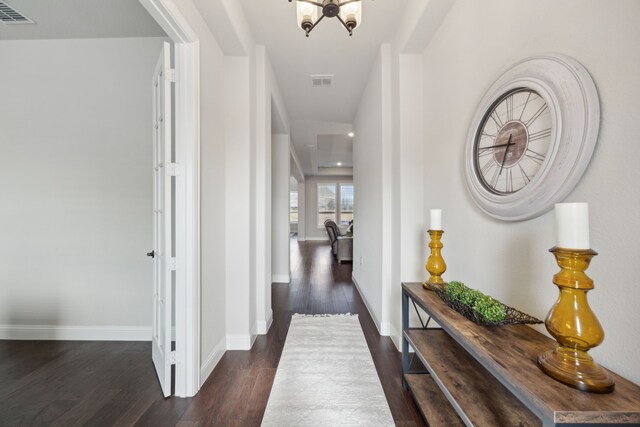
268, 103
280, 185
213, 128
368, 204
238, 202
408, 229
388, 173
248, 90
261, 313
76, 145
310, 200
510, 260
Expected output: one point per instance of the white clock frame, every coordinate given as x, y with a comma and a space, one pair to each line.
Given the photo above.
574, 107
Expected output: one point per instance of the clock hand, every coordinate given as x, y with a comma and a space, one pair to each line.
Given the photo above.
509, 144
496, 146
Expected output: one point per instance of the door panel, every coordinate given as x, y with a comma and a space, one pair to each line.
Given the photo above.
162, 278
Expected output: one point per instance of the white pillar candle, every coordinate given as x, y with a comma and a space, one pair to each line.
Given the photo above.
436, 219
572, 225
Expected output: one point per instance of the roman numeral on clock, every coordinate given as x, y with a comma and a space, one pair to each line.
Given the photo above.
509, 181
496, 119
539, 134
525, 177
536, 157
487, 167
538, 113
509, 108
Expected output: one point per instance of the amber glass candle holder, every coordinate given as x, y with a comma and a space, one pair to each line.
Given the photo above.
576, 328
435, 263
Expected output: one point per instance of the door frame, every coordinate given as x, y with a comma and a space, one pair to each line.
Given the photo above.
187, 209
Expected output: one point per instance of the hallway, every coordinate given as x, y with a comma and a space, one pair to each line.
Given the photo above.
114, 384
237, 391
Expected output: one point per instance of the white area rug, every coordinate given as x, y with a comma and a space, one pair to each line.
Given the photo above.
326, 377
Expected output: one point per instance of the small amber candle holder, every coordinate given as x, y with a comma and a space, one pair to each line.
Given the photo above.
576, 328
435, 263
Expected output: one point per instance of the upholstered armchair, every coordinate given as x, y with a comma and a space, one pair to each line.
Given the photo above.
341, 246
333, 232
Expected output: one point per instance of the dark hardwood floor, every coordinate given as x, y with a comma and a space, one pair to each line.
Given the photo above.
61, 383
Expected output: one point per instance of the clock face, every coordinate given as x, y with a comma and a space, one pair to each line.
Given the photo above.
513, 141
531, 137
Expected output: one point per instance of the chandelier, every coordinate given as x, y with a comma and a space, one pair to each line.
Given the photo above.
348, 12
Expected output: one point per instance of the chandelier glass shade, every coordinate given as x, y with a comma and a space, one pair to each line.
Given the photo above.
310, 13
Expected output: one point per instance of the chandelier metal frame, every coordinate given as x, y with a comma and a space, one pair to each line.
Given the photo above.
330, 9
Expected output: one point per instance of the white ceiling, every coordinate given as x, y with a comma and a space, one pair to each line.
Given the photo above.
335, 151
75, 19
328, 50
306, 135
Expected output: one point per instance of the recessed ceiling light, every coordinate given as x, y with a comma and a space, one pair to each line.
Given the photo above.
351, 134
339, 164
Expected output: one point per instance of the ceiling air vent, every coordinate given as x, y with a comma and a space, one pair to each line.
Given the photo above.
8, 15
321, 80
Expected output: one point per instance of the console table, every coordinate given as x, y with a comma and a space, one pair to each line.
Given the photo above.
487, 376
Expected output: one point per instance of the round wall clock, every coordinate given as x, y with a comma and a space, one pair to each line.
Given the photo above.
532, 137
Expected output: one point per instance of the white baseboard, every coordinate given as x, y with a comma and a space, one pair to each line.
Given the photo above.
280, 278
75, 333
396, 337
239, 341
384, 328
264, 326
317, 239
212, 360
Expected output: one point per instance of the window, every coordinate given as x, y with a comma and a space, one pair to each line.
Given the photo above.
346, 203
335, 202
326, 202
293, 207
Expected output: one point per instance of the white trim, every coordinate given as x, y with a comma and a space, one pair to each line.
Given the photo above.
188, 218
239, 341
212, 360
263, 327
396, 337
187, 148
315, 239
262, 184
280, 278
384, 327
167, 15
388, 200
75, 333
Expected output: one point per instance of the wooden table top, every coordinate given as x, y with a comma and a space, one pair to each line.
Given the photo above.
510, 353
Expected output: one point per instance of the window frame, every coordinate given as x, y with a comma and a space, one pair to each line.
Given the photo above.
338, 200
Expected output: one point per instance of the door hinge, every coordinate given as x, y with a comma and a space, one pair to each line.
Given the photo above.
172, 357
171, 75
172, 169
172, 264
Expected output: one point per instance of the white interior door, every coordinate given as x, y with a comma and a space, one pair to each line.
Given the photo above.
162, 354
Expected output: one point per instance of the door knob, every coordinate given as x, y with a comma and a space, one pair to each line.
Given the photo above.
152, 254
